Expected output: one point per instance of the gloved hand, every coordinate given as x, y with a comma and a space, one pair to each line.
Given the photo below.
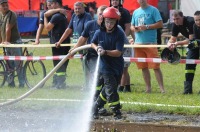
100, 51
194, 44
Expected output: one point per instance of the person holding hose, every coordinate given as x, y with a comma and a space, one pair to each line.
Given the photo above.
108, 41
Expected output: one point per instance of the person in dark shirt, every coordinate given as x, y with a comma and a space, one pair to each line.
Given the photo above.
56, 26
90, 57
196, 53
184, 25
41, 24
76, 25
108, 41
125, 23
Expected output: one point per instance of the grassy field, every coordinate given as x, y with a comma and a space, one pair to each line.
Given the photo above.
171, 102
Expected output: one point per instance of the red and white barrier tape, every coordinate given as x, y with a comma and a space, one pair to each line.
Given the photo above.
37, 57
159, 60
127, 59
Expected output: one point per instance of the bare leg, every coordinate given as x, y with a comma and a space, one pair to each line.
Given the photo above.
125, 80
159, 78
147, 79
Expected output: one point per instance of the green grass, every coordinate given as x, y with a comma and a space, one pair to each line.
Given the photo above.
173, 82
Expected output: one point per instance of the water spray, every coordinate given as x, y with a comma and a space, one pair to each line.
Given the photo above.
46, 78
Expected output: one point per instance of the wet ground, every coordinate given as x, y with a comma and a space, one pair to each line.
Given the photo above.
148, 122
18, 119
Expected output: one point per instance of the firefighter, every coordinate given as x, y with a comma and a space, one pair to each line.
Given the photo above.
108, 41
184, 25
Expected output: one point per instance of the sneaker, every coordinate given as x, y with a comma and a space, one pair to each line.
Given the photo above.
126, 89
102, 112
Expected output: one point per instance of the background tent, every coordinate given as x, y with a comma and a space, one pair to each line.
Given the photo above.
24, 8
131, 5
189, 8
19, 5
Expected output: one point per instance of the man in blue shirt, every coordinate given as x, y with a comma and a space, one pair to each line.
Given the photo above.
108, 41
145, 22
76, 25
77, 22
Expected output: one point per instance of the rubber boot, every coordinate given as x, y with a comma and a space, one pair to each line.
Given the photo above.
61, 82
102, 111
96, 95
116, 111
99, 103
54, 81
187, 87
95, 110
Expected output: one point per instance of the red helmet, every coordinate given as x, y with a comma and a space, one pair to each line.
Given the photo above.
111, 12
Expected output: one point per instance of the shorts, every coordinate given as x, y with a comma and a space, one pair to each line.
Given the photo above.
127, 53
147, 53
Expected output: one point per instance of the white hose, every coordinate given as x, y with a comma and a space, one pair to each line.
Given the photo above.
46, 78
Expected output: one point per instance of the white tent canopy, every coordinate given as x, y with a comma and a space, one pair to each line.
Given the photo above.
189, 7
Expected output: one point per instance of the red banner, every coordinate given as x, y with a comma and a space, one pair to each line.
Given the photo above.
131, 5
18, 5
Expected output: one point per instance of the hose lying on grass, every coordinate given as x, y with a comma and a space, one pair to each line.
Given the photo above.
46, 78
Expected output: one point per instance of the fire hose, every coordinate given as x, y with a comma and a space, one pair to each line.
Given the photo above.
45, 78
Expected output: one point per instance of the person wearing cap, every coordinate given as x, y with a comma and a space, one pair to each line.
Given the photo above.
108, 41
56, 26
125, 23
9, 34
145, 22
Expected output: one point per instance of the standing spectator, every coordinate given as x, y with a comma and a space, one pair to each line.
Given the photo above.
41, 24
145, 22
9, 34
56, 26
76, 25
159, 31
77, 22
108, 41
184, 25
125, 23
92, 9
91, 55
